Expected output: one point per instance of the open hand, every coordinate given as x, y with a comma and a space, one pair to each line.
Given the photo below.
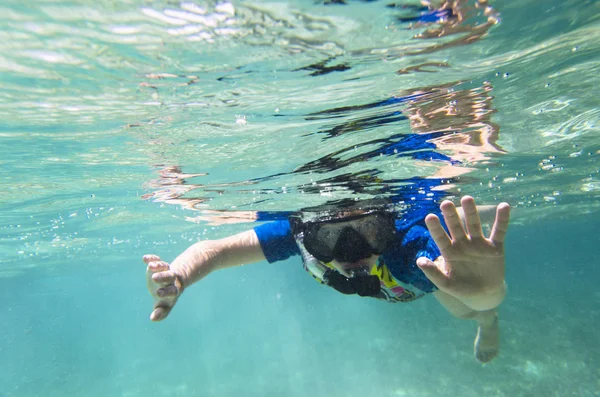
472, 266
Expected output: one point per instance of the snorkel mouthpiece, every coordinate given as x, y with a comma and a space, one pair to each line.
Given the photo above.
361, 284
360, 281
361, 271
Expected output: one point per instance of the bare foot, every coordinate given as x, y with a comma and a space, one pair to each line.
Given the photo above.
487, 341
163, 285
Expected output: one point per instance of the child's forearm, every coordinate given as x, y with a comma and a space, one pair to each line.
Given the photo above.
203, 257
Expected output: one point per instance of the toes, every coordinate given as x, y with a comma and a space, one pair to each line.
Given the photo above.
486, 356
487, 345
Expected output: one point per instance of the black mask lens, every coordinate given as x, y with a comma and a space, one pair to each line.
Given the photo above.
351, 246
316, 245
382, 230
349, 240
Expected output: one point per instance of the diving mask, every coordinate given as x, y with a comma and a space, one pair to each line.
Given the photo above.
349, 239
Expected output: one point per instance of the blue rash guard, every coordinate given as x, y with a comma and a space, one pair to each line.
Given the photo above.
400, 278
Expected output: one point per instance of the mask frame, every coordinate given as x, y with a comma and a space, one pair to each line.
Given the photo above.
349, 239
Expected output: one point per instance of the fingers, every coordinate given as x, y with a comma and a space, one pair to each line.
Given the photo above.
471, 217
164, 277
150, 258
453, 221
439, 235
163, 285
168, 291
157, 267
433, 272
160, 313
158, 274
501, 223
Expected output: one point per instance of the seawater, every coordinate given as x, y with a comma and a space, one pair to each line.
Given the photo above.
143, 126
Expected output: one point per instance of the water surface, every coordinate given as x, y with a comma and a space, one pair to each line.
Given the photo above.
144, 126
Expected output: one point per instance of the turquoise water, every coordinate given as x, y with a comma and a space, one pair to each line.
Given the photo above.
140, 127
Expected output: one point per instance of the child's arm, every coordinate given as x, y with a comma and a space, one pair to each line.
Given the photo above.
166, 281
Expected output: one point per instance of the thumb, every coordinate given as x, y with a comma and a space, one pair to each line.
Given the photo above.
432, 271
160, 313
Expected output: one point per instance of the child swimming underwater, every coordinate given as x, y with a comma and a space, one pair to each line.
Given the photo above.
369, 253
